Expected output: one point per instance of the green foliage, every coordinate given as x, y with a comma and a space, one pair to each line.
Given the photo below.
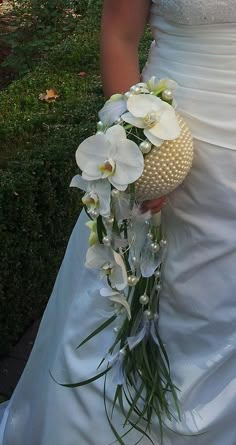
37, 213
38, 142
40, 24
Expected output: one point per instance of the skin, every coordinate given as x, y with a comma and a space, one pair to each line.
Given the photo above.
122, 27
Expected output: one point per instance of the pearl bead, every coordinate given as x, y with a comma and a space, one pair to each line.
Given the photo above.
115, 193
155, 247
128, 94
109, 221
157, 274
100, 125
163, 243
148, 314
135, 89
132, 280
158, 287
135, 260
118, 121
167, 95
106, 241
177, 156
150, 236
144, 299
94, 213
116, 330
145, 147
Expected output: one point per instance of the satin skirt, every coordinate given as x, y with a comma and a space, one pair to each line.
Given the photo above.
198, 300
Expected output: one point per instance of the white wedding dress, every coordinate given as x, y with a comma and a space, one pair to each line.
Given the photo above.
195, 44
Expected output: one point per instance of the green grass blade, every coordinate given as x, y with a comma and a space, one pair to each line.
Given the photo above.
84, 382
99, 329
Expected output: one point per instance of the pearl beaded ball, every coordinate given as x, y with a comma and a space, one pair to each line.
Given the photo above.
165, 167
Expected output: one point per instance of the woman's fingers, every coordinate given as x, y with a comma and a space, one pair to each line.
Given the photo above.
154, 205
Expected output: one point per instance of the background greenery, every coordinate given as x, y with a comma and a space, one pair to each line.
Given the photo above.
38, 142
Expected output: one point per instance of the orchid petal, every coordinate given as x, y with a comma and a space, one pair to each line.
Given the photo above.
107, 292
112, 110
99, 255
116, 134
141, 105
135, 121
123, 302
103, 189
129, 164
119, 274
92, 152
157, 142
79, 182
168, 128
88, 178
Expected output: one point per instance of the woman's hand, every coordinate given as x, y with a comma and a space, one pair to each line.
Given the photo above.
154, 205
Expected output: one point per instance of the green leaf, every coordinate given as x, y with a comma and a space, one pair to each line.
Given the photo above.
134, 403
115, 432
84, 382
99, 329
101, 230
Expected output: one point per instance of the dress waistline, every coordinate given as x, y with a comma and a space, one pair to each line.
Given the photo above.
202, 60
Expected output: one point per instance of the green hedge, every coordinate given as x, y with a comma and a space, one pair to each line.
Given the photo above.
38, 142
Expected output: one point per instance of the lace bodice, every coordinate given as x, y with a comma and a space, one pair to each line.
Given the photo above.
197, 12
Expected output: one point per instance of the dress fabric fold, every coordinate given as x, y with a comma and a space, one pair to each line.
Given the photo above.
198, 297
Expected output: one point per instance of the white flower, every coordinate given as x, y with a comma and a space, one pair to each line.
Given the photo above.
97, 194
112, 156
113, 109
158, 85
117, 298
110, 263
156, 117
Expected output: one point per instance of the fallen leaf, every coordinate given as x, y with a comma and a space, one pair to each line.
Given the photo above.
50, 96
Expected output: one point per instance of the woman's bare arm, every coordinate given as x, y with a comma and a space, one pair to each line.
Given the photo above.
123, 23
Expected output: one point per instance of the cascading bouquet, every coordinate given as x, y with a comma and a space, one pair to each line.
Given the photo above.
142, 150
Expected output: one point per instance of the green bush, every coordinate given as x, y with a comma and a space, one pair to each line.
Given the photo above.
39, 25
37, 212
37, 208
38, 142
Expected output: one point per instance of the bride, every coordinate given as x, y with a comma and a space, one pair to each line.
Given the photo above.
194, 44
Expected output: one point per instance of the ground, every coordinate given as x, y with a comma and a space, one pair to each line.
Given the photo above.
6, 26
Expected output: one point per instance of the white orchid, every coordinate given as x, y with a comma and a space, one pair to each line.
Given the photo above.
110, 156
97, 194
117, 298
110, 263
157, 85
113, 109
156, 117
